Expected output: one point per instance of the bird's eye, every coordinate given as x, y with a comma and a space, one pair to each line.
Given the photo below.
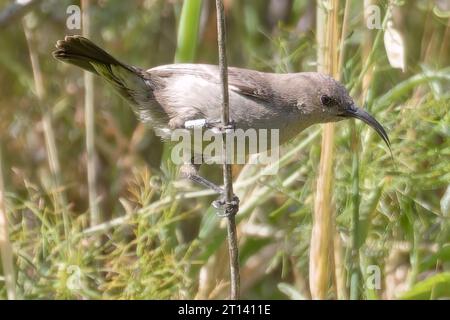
327, 101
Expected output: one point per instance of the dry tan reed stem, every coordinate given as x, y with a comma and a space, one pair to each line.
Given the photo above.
49, 134
339, 268
5, 244
89, 117
322, 231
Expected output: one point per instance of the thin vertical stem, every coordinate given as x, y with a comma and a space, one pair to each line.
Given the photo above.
366, 78
343, 37
370, 58
355, 261
443, 52
49, 134
339, 268
339, 271
227, 179
5, 245
322, 231
90, 126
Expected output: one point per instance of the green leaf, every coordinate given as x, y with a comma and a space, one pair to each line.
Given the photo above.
403, 88
367, 211
290, 291
437, 286
188, 31
441, 13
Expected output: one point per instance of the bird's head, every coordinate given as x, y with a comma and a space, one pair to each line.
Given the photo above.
327, 100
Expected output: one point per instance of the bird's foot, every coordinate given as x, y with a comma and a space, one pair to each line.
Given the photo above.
226, 209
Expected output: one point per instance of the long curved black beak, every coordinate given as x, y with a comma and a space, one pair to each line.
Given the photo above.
354, 112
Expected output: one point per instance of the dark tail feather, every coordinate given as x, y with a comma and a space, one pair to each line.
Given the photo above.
81, 52
128, 81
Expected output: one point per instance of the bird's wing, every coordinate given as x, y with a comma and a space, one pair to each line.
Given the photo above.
249, 83
241, 81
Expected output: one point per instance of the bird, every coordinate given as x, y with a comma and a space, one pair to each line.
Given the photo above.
169, 96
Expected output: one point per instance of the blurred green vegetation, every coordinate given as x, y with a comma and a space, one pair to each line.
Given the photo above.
160, 238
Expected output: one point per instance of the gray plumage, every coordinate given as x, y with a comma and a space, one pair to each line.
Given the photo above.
168, 96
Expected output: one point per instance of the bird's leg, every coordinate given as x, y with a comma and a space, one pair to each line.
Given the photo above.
190, 171
224, 208
205, 182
